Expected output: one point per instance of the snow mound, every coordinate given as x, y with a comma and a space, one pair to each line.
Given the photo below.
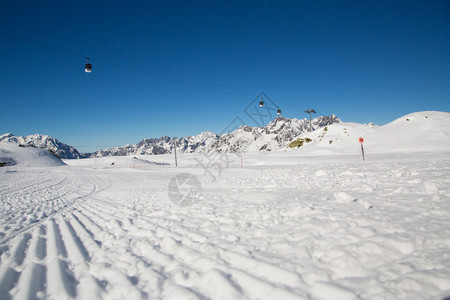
344, 197
12, 154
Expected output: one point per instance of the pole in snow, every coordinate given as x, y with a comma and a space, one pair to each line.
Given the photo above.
175, 151
361, 141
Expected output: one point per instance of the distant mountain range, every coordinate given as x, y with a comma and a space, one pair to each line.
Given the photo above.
276, 135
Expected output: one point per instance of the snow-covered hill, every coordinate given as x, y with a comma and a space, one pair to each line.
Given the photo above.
421, 131
45, 142
12, 154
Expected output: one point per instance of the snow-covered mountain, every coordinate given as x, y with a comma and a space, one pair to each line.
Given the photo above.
420, 131
277, 134
47, 142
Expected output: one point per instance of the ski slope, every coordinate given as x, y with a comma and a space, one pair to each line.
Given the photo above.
287, 225
426, 131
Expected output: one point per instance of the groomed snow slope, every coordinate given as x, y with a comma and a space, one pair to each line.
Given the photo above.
285, 226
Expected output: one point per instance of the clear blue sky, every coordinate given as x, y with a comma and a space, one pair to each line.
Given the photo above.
365, 61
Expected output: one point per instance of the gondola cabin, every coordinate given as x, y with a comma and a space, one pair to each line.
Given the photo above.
88, 66
261, 103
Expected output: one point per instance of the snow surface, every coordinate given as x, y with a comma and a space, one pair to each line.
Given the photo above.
12, 154
417, 132
288, 225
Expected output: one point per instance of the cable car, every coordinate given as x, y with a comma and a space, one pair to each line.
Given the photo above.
278, 111
261, 103
88, 66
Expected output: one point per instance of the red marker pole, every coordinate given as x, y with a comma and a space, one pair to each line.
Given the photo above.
361, 141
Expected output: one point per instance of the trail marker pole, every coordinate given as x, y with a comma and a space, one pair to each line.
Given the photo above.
175, 151
361, 141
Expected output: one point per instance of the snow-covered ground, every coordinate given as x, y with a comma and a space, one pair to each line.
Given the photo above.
285, 225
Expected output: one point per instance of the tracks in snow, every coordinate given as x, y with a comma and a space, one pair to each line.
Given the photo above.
95, 246
182, 258
35, 242
39, 199
120, 238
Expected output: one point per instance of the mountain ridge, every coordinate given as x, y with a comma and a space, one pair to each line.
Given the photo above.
430, 128
275, 135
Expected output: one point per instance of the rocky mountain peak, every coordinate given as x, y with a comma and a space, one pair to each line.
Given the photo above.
56, 147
